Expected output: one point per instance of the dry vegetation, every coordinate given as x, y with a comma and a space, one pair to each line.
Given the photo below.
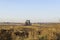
48, 31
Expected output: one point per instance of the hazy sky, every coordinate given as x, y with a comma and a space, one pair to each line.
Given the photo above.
35, 10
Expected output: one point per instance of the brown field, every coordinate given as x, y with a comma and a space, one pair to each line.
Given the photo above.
43, 31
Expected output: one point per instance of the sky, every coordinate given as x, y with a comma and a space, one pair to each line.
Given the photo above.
34, 10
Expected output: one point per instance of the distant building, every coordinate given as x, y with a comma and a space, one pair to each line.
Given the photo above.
28, 23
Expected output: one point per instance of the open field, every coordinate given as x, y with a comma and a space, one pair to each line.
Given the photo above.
43, 31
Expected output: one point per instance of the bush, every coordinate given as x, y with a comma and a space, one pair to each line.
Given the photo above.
43, 38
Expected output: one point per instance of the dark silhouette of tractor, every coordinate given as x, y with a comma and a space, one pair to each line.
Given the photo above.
28, 23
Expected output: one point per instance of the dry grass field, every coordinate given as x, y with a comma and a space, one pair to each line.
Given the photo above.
43, 31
